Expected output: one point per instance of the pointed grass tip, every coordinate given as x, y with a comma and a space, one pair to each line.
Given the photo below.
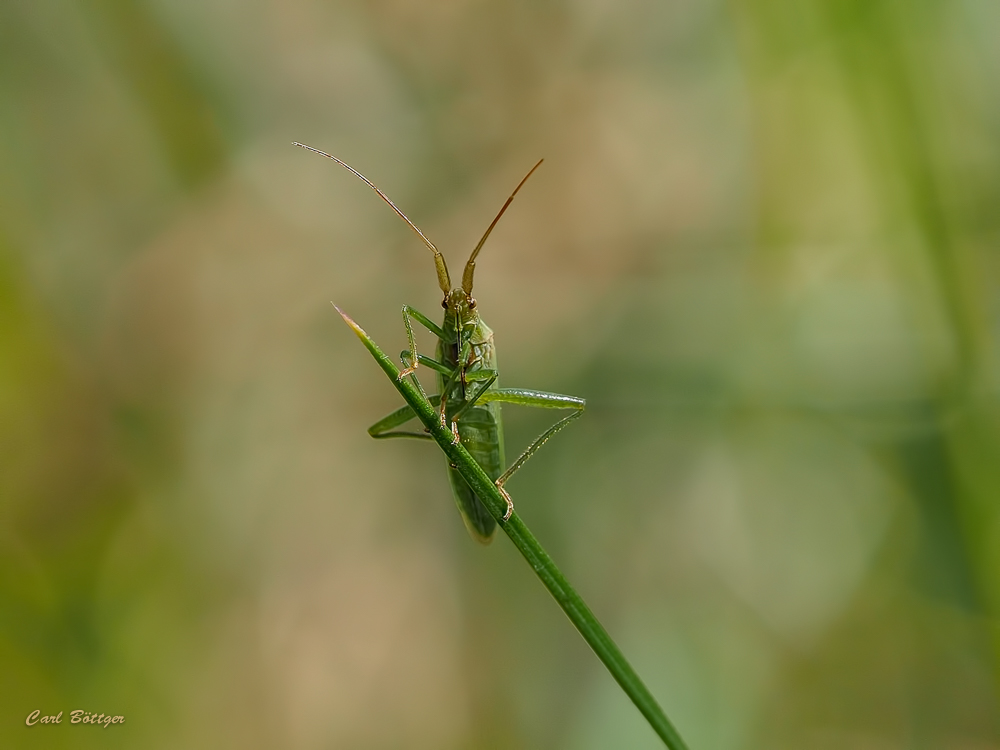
347, 319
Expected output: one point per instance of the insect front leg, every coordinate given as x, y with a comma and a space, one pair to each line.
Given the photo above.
459, 373
443, 406
414, 359
538, 399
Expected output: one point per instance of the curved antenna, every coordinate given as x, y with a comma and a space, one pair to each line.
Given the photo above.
442, 270
470, 267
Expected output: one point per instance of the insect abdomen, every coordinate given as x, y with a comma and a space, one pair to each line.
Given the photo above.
482, 435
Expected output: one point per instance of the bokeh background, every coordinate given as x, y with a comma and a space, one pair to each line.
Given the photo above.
764, 247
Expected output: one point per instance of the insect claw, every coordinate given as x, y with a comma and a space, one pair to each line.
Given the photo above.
407, 371
454, 431
510, 503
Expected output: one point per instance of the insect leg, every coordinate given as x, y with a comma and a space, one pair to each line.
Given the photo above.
445, 390
408, 313
425, 360
437, 367
383, 429
539, 399
489, 377
453, 376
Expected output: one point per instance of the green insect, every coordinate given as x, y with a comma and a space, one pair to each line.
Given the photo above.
470, 397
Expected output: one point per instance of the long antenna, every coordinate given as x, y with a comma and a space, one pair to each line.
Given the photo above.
470, 267
444, 280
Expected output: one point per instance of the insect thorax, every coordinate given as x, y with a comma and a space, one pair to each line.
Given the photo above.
462, 323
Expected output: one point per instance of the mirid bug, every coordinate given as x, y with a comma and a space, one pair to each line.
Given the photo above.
466, 362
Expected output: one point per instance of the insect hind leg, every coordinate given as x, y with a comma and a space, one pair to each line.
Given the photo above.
528, 453
524, 397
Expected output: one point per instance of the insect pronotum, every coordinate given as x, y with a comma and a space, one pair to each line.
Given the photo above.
470, 396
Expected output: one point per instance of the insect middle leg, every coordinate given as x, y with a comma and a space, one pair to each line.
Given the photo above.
385, 427
453, 375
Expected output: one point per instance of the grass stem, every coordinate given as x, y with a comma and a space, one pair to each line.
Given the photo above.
550, 575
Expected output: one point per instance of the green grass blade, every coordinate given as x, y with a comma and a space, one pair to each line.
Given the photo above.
574, 606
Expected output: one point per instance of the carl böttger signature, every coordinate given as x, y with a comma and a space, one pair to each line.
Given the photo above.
79, 716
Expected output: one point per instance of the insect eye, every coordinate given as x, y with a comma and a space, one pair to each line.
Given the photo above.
472, 303
444, 303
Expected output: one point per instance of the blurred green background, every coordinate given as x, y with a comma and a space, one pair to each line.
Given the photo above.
764, 247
